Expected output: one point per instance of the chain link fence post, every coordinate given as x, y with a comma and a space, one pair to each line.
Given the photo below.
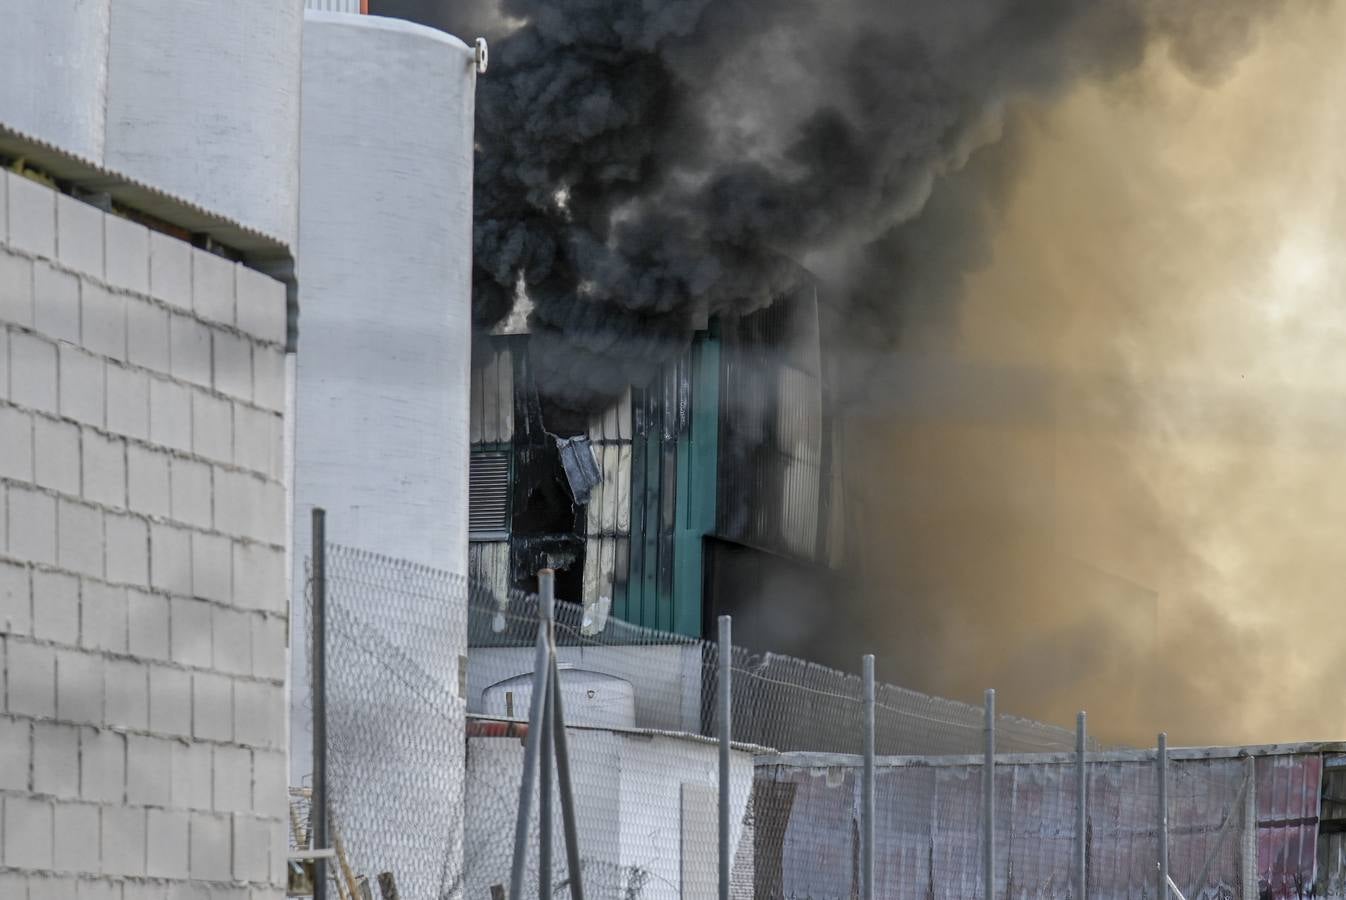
547, 595
726, 660
1248, 856
867, 809
1081, 808
1161, 761
988, 800
319, 840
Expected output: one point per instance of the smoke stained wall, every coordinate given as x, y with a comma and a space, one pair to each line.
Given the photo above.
1098, 234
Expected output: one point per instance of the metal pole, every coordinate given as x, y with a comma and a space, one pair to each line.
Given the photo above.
988, 802
726, 734
544, 808
1249, 849
1081, 808
567, 792
867, 809
531, 750
1161, 758
320, 840
547, 604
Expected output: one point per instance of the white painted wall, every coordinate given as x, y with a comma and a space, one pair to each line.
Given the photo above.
198, 98
629, 808
142, 578
203, 101
53, 71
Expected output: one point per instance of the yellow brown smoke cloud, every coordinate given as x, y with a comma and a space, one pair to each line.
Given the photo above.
1113, 475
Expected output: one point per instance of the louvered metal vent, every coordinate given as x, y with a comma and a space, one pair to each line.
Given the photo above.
488, 496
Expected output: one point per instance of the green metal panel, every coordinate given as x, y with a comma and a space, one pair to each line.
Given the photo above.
697, 467
673, 490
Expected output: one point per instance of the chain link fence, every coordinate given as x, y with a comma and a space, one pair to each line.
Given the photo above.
428, 690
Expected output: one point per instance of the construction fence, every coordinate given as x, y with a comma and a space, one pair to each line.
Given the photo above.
428, 691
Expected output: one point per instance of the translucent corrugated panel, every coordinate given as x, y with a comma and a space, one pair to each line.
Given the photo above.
346, 6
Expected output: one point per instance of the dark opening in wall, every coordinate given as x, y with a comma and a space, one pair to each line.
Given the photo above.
561, 421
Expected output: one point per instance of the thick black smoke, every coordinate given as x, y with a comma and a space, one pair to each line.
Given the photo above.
642, 163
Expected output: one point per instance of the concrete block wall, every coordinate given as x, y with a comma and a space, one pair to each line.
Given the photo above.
143, 610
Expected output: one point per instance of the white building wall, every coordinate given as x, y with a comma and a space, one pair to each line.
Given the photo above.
142, 584
199, 98
203, 102
639, 802
53, 71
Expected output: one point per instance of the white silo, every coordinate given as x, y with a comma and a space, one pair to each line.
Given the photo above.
53, 71
384, 335
203, 102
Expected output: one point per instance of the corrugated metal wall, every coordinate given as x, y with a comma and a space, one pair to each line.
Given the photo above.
771, 429
661, 418
928, 829
493, 397
608, 514
491, 429
1332, 830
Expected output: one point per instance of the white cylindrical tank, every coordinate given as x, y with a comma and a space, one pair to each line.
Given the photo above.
385, 280
53, 71
382, 384
588, 698
203, 102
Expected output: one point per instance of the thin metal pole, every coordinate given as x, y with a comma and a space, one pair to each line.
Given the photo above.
988, 801
1081, 808
544, 809
1161, 759
546, 590
320, 839
531, 751
867, 809
726, 735
1249, 850
567, 791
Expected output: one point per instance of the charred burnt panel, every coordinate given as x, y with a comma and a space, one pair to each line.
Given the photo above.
771, 429
608, 512
547, 528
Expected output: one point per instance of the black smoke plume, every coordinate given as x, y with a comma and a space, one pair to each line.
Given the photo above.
643, 163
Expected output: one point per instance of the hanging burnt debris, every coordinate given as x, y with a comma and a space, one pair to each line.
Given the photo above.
580, 466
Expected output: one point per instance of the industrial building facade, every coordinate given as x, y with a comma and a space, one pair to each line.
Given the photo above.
680, 501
